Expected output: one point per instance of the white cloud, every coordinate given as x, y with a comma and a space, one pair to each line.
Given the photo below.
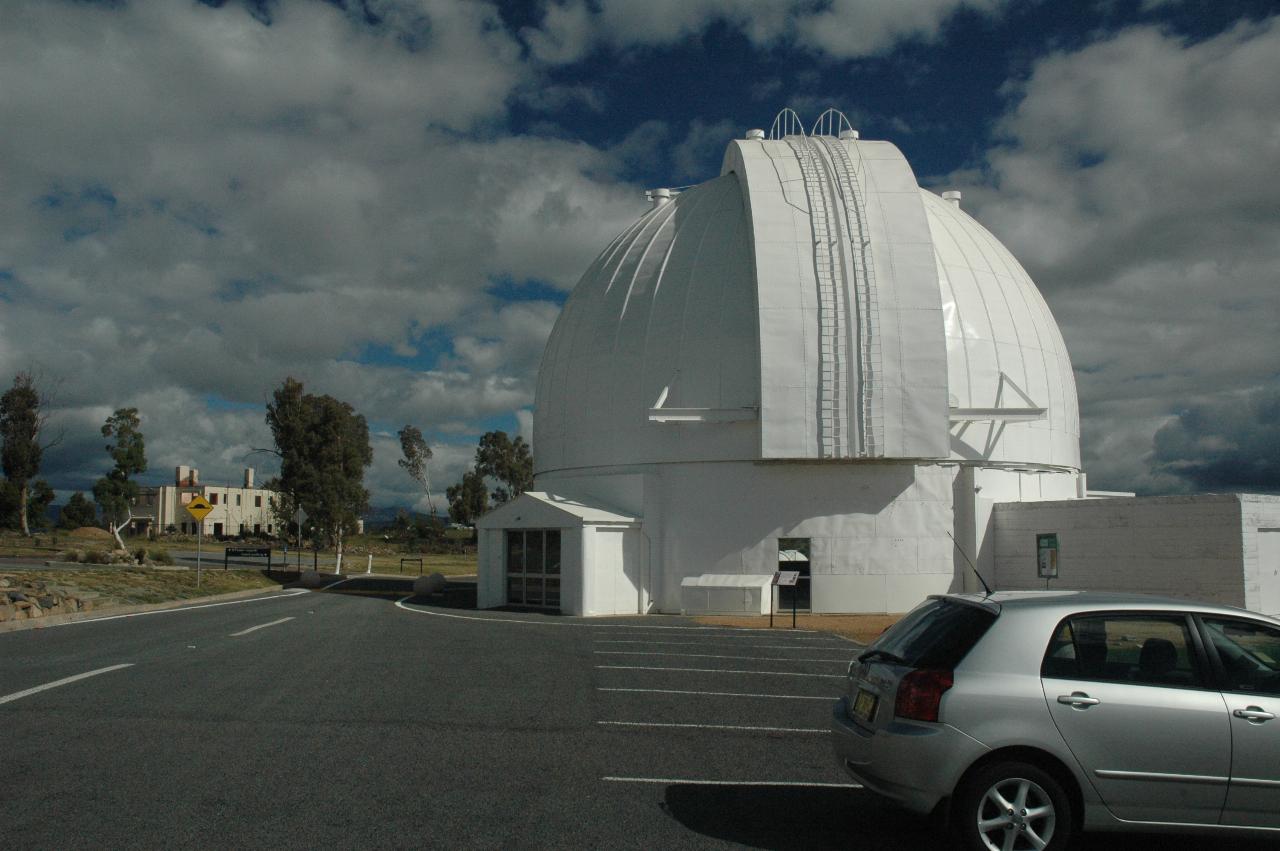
842, 29
1135, 182
197, 204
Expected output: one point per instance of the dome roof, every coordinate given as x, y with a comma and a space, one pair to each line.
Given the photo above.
811, 303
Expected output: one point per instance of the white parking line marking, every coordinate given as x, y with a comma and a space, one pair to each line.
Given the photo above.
725, 637
714, 727
259, 626
180, 609
719, 671
401, 604
690, 782
843, 661
18, 695
715, 642
721, 693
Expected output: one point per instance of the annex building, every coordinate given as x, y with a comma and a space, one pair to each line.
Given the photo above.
239, 510
811, 361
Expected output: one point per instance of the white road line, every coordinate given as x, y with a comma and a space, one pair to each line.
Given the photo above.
178, 609
18, 695
843, 661
713, 642
690, 782
719, 671
721, 693
714, 727
258, 627
401, 604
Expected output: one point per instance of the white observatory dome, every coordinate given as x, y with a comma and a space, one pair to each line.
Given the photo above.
811, 303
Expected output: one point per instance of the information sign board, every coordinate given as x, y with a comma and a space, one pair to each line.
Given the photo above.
1047, 555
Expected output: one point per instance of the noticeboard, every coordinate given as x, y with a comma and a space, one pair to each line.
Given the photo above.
1047, 555
786, 577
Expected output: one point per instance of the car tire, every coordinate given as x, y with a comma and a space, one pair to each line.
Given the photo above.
987, 809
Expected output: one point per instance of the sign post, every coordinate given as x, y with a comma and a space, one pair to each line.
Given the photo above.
1047, 556
199, 508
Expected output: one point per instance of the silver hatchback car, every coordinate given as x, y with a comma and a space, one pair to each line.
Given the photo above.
1031, 716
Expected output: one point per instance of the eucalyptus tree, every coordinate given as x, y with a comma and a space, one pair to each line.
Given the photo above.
21, 419
116, 491
323, 446
416, 455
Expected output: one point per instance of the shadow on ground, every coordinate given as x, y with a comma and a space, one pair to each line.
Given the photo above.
814, 817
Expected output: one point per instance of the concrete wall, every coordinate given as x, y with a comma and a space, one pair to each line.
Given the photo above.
1181, 546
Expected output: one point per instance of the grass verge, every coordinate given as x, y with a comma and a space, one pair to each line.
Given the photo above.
126, 586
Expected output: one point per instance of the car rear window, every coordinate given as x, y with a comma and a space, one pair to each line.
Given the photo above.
936, 634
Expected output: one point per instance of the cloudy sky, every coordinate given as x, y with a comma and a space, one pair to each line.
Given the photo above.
391, 199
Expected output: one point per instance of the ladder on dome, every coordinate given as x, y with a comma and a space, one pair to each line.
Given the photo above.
832, 328
867, 315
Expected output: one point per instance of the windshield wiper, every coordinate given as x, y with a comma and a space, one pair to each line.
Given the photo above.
884, 655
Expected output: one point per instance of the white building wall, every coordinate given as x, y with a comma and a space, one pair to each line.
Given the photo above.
877, 531
1182, 546
491, 581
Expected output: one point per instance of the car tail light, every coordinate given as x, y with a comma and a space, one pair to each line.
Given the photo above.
920, 694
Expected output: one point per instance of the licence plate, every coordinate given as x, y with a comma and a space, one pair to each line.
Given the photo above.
864, 705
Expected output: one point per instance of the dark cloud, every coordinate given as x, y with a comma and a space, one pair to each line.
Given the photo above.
1225, 445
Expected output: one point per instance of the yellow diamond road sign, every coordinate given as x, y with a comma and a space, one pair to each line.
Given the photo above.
199, 507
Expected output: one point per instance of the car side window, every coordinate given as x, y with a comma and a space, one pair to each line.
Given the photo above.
1140, 649
1249, 653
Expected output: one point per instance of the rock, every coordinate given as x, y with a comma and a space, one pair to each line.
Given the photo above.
426, 585
86, 605
34, 611
47, 601
6, 612
17, 597
4, 582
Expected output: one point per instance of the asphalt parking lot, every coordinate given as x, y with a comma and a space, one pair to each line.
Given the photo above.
359, 716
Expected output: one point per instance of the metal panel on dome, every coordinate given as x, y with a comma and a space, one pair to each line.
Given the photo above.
853, 359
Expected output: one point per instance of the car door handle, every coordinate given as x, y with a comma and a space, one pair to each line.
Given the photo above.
1079, 700
1254, 713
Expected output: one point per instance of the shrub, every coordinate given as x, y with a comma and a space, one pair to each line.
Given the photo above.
160, 555
96, 557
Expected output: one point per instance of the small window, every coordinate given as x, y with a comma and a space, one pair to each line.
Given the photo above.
553, 560
257, 502
533, 553
1140, 649
213, 498
515, 552
1249, 653
237, 499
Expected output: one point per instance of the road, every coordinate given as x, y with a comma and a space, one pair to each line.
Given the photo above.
308, 719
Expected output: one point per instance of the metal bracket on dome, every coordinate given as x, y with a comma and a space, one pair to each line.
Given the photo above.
831, 123
786, 123
703, 415
659, 414
1001, 413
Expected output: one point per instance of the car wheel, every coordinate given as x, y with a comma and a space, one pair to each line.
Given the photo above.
1013, 806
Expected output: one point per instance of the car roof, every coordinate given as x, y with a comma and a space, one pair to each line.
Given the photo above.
1065, 602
